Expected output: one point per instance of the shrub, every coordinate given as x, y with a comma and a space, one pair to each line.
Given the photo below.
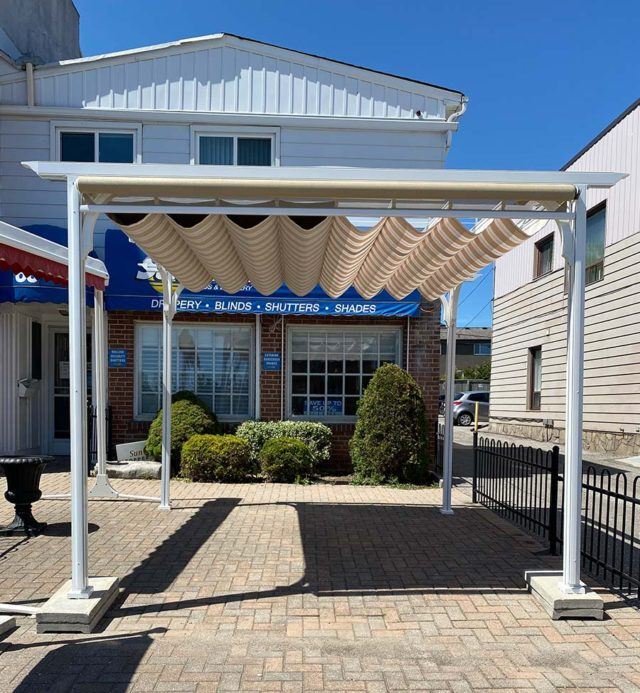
215, 458
390, 438
187, 419
286, 459
188, 396
317, 437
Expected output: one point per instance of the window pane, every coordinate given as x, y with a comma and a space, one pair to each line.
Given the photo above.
253, 151
216, 151
77, 146
544, 252
596, 225
115, 147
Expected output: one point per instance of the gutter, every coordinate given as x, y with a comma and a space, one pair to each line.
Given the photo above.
454, 117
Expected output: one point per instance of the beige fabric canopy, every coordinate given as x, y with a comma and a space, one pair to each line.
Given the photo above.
303, 252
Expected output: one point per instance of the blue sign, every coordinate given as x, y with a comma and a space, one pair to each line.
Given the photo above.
271, 361
135, 284
117, 358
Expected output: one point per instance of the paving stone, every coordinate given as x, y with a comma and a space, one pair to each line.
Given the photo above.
276, 587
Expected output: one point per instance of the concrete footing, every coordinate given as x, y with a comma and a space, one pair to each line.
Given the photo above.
59, 614
7, 623
544, 586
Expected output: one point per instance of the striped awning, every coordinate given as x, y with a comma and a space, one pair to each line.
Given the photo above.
303, 252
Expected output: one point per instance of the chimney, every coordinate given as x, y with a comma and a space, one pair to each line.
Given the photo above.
39, 31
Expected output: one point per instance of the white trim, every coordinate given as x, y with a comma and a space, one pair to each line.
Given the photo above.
137, 343
57, 127
60, 170
333, 327
147, 116
198, 131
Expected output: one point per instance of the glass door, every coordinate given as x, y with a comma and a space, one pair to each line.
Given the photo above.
60, 416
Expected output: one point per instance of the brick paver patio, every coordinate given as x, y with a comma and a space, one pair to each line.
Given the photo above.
283, 587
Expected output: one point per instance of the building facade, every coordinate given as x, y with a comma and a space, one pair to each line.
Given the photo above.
220, 100
473, 348
530, 312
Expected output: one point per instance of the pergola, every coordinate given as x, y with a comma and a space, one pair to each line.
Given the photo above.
290, 225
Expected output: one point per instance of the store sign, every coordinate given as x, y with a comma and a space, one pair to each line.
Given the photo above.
135, 284
117, 358
271, 361
131, 451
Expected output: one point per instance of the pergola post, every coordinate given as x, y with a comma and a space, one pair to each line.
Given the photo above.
78, 251
102, 488
572, 515
450, 304
169, 305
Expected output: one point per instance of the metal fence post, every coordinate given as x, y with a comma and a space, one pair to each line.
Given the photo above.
553, 500
474, 496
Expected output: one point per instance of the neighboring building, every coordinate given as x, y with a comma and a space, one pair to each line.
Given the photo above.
473, 348
529, 316
218, 99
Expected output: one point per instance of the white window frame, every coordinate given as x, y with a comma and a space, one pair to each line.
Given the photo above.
478, 352
139, 324
97, 128
363, 329
198, 131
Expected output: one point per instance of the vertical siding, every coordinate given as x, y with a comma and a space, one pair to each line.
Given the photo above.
219, 76
8, 420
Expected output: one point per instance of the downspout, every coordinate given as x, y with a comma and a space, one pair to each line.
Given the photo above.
31, 87
454, 117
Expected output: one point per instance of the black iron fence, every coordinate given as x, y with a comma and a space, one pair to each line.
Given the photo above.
439, 446
525, 485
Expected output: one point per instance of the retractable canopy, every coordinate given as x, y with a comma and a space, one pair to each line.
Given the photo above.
295, 226
21, 251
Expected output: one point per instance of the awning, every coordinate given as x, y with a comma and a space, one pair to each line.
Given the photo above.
32, 255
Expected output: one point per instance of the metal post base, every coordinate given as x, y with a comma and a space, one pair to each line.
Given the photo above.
102, 488
446, 511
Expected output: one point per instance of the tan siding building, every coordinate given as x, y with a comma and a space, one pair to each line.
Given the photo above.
529, 332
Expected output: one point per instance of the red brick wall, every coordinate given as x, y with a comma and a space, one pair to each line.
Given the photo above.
422, 333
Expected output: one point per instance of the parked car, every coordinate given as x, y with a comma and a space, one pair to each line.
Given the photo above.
464, 407
456, 396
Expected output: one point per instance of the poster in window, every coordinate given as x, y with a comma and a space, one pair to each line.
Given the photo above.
334, 406
315, 406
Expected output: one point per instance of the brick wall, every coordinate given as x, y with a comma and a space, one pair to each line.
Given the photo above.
422, 333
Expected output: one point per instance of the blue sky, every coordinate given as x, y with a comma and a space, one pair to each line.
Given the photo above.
542, 77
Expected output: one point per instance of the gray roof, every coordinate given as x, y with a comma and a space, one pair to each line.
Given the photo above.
478, 333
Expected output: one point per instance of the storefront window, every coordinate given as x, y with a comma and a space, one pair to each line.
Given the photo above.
215, 362
330, 368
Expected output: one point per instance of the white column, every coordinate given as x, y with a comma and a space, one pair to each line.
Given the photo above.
102, 488
78, 249
258, 365
169, 296
450, 315
572, 515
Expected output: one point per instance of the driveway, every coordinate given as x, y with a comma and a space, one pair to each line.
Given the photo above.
285, 587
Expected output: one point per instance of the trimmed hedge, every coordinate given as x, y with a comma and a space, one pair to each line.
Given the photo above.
187, 419
390, 438
315, 435
215, 458
188, 396
286, 460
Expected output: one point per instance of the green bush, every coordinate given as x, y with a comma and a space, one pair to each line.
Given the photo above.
188, 396
187, 419
390, 438
215, 458
317, 437
285, 460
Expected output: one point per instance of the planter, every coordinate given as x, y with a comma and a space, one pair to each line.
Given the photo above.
23, 489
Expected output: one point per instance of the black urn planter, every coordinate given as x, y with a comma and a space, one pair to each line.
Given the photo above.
23, 488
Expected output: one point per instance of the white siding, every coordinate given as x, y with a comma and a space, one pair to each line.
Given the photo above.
617, 151
535, 315
227, 75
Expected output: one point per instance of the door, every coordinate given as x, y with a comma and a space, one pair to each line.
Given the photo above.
59, 395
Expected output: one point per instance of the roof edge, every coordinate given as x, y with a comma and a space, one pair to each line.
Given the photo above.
606, 130
218, 36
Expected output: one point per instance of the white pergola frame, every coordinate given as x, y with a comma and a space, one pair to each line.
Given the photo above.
571, 220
